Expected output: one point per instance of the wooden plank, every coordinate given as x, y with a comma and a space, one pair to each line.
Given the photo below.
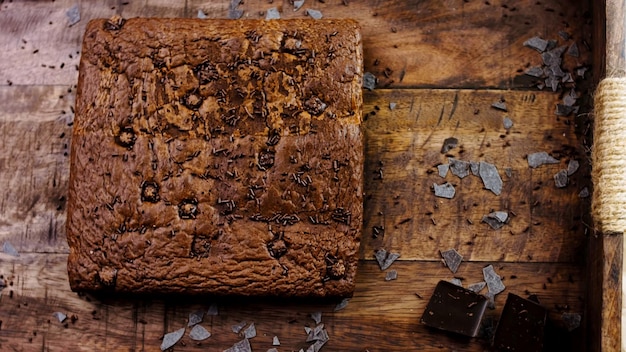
430, 43
548, 222
34, 145
407, 140
382, 316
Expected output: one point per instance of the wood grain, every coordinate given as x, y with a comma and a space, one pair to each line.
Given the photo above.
451, 43
382, 316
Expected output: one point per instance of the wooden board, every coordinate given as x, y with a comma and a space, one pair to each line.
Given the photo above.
440, 47
452, 43
382, 316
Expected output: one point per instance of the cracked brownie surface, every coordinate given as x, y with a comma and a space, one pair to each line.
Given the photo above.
217, 156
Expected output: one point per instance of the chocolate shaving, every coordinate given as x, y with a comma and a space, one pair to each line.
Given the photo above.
73, 15
496, 219
391, 275
272, 14
341, 305
444, 191
493, 280
172, 338
449, 144
385, 259
452, 258
195, 318
560, 179
540, 158
369, 81
459, 168
314, 14
199, 333
241, 346
8, 248
443, 170
491, 178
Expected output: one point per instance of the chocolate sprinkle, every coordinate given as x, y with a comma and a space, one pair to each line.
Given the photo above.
493, 280
444, 191
172, 338
540, 158
199, 333
449, 144
452, 258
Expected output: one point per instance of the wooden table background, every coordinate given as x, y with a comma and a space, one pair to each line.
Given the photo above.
447, 61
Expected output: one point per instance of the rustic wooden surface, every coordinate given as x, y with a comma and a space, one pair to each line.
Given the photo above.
471, 49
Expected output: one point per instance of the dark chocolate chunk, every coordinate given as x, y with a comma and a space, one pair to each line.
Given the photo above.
297, 4
172, 338
452, 258
573, 50
213, 310
584, 193
521, 326
564, 110
317, 317
477, 287
455, 309
449, 144
275, 341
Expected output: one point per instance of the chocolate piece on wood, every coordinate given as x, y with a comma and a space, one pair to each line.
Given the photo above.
521, 326
454, 309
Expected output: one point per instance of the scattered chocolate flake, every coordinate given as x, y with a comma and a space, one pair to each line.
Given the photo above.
571, 98
73, 15
508, 171
60, 316
443, 170
315, 347
477, 287
573, 50
241, 346
385, 259
315, 106
537, 43
317, 317
552, 58
341, 305
449, 144
250, 331
202, 15
314, 14
456, 281
114, 23
452, 258
233, 12
444, 191
391, 275
491, 178
172, 338
297, 4
564, 110
499, 105
580, 71
534, 71
560, 179
275, 341
272, 350
238, 327
571, 320
491, 300
317, 334
213, 311
392, 106
564, 35
8, 248
369, 81
584, 193
496, 219
459, 168
540, 158
474, 167
493, 280
507, 123
272, 14
195, 318
199, 333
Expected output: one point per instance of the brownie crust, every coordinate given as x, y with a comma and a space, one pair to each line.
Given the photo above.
217, 157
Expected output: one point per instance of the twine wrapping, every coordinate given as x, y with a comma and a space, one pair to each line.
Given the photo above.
608, 205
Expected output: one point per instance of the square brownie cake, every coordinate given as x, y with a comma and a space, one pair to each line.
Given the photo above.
217, 157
